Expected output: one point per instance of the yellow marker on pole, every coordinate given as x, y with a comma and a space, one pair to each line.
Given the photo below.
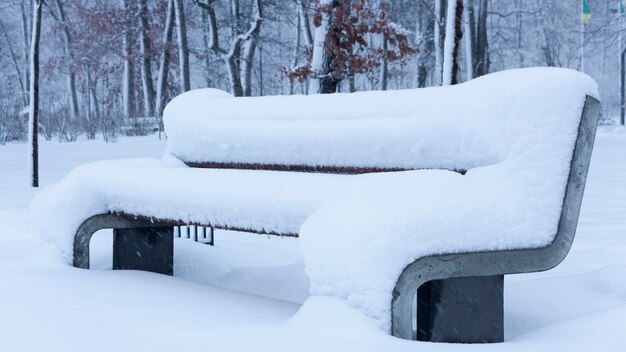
586, 15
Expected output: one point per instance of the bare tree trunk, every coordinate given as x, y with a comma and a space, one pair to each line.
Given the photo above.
261, 82
322, 64
424, 33
328, 82
476, 36
164, 64
207, 50
71, 75
93, 89
232, 65
249, 48
71, 87
622, 87
481, 55
296, 50
622, 67
439, 34
128, 81
233, 57
235, 27
519, 4
454, 35
230, 58
308, 35
384, 69
352, 83
183, 47
26, 45
94, 99
213, 35
90, 125
15, 64
319, 51
304, 21
146, 66
33, 111
88, 84
468, 25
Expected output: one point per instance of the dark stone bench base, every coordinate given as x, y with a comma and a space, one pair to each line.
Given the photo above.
464, 309
144, 248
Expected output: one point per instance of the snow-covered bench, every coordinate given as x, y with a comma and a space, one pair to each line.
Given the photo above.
439, 191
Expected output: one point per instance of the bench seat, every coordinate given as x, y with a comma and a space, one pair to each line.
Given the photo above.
266, 202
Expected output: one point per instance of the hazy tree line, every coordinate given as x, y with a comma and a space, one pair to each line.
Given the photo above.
108, 67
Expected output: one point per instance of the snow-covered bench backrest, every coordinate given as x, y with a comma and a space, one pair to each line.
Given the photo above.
528, 115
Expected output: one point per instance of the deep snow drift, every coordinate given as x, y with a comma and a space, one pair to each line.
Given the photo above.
238, 295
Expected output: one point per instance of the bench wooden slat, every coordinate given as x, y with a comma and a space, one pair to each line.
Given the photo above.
340, 170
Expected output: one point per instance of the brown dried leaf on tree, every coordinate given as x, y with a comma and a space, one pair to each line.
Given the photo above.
352, 23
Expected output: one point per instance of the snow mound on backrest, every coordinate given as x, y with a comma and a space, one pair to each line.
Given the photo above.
458, 127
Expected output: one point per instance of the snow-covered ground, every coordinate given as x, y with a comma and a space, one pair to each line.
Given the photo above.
250, 292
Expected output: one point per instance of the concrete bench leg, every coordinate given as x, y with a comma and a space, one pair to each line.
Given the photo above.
145, 248
461, 310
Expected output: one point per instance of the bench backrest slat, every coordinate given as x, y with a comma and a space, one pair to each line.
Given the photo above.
342, 170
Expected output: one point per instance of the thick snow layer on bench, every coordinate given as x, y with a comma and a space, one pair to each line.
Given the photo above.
457, 127
409, 129
262, 200
514, 131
